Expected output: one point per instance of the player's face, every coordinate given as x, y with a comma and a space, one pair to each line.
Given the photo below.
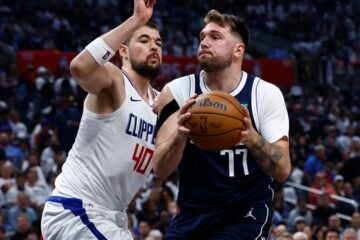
217, 45
145, 53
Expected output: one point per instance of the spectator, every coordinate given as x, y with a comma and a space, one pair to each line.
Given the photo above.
314, 163
299, 224
300, 236
13, 153
20, 130
23, 228
320, 184
149, 213
47, 161
300, 210
155, 234
12, 194
143, 230
339, 185
38, 190
324, 210
41, 134
349, 234
332, 234
355, 223
33, 163
67, 120
334, 222
7, 179
21, 208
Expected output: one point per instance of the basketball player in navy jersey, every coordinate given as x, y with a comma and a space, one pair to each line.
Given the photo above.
112, 154
226, 194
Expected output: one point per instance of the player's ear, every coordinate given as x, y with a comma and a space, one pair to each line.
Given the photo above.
123, 51
239, 49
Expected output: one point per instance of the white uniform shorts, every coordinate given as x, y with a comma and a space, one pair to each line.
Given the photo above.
70, 218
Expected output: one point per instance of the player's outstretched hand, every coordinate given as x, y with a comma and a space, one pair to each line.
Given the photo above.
143, 9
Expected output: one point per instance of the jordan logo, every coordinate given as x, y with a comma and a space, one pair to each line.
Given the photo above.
250, 214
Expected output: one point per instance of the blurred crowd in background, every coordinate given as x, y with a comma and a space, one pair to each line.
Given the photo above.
40, 111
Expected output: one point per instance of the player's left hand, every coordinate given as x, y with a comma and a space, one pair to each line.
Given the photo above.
143, 9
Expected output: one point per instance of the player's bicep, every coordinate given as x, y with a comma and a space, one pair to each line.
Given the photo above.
91, 76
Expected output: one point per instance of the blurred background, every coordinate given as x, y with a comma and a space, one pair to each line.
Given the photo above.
310, 49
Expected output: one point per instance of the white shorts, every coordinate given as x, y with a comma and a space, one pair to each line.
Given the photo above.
70, 218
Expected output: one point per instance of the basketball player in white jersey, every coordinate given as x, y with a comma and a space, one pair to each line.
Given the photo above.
113, 150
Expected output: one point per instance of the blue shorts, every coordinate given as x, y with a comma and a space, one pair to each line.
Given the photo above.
250, 222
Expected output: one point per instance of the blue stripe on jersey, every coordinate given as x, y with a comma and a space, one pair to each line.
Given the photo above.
75, 205
229, 177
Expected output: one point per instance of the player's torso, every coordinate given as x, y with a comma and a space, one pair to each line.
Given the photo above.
228, 176
112, 154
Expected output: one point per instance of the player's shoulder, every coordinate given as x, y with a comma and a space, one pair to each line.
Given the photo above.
264, 87
181, 81
181, 84
265, 84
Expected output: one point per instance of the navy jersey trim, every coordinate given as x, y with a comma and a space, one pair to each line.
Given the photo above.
165, 113
197, 84
75, 205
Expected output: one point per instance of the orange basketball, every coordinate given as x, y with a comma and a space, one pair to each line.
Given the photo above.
216, 121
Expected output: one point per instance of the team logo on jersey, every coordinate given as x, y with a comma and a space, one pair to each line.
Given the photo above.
134, 99
250, 214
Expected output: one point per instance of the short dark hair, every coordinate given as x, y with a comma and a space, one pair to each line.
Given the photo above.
331, 229
237, 24
149, 24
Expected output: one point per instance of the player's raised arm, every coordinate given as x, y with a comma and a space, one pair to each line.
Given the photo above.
90, 67
172, 134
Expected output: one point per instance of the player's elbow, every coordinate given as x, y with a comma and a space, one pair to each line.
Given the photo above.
77, 67
283, 174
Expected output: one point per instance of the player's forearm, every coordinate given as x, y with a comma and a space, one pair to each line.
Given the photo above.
84, 64
271, 159
168, 155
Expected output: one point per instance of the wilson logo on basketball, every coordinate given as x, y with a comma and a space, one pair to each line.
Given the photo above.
206, 102
106, 55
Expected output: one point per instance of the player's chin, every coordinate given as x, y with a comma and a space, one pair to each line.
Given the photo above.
154, 64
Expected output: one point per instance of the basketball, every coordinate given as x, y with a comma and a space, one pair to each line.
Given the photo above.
216, 121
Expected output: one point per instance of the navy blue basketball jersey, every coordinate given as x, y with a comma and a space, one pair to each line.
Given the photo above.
229, 177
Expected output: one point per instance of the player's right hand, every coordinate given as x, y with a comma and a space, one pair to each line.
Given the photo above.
143, 9
184, 115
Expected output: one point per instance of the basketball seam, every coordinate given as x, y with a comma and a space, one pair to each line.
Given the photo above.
218, 114
215, 135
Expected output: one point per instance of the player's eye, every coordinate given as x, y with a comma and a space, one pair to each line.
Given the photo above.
144, 40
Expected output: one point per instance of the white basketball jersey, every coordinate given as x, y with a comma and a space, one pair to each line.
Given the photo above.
112, 154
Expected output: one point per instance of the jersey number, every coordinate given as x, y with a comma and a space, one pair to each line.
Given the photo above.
232, 154
142, 157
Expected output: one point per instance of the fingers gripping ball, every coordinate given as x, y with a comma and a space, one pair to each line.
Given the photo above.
216, 121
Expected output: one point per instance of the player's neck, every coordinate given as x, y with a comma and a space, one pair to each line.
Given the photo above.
225, 80
140, 83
